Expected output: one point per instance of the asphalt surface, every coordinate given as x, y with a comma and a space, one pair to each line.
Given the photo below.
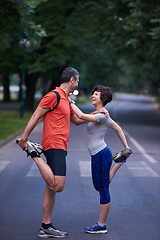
135, 191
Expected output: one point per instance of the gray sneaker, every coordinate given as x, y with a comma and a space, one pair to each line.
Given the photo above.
51, 233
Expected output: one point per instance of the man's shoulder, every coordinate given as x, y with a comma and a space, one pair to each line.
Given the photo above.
52, 93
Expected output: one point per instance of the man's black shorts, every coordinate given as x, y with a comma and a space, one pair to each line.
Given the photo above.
56, 159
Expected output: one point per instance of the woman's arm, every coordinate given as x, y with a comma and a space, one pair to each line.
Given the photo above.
83, 116
120, 133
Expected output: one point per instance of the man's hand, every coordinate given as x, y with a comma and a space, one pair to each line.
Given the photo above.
102, 110
105, 111
23, 144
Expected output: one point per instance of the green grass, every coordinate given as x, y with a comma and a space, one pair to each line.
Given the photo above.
83, 100
11, 123
158, 100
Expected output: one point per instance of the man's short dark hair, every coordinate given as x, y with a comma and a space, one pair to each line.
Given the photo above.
68, 73
106, 93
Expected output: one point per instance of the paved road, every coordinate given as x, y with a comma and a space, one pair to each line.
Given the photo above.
135, 191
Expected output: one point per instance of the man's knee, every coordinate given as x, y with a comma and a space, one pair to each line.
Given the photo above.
60, 183
56, 188
59, 188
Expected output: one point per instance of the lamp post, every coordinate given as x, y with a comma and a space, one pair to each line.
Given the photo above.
28, 46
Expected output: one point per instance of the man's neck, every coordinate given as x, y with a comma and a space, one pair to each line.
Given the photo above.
65, 88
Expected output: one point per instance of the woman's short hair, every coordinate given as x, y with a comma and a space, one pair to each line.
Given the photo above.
68, 73
106, 93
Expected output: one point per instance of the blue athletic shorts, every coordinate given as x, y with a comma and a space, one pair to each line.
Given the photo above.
56, 159
101, 163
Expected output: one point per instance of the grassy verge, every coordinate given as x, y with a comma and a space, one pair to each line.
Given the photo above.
11, 123
158, 100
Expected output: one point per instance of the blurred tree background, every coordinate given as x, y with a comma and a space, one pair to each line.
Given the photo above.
114, 43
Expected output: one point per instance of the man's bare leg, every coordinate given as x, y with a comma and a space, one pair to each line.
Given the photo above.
47, 204
46, 172
55, 183
49, 198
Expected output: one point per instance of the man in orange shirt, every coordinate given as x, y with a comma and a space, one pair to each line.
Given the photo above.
56, 131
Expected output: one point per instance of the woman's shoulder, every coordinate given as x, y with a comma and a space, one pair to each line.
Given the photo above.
102, 118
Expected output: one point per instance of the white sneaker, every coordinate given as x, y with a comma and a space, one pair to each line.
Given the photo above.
34, 149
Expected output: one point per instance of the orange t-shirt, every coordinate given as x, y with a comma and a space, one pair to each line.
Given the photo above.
56, 124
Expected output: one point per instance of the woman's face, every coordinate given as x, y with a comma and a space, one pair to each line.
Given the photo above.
96, 98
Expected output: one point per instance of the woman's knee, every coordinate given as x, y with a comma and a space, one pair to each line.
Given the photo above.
104, 198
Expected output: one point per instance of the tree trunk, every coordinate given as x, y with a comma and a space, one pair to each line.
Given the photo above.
6, 91
31, 81
56, 76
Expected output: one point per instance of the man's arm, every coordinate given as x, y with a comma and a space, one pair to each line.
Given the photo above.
39, 113
102, 110
105, 111
77, 121
83, 116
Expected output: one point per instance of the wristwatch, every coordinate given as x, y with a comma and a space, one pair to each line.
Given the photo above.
71, 101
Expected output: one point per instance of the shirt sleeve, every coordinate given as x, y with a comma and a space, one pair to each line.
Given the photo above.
48, 101
71, 111
103, 119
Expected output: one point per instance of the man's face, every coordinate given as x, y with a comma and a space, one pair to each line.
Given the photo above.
75, 82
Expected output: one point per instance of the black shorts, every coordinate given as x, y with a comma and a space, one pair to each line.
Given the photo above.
56, 159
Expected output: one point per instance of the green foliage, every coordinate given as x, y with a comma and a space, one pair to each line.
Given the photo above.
9, 24
16, 24
11, 123
133, 36
110, 42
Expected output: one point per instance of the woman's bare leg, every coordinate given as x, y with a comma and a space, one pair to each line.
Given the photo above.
104, 210
113, 170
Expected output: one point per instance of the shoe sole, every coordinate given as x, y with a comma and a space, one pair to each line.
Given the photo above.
51, 236
43, 236
97, 232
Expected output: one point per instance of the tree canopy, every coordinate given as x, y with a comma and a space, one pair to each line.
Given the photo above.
115, 43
